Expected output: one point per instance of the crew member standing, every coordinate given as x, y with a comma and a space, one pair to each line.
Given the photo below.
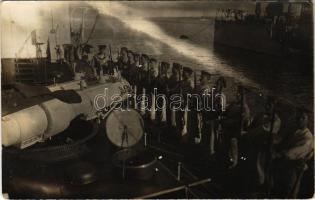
173, 82
173, 88
163, 82
219, 105
144, 72
137, 70
163, 78
153, 75
264, 139
100, 61
154, 85
123, 61
131, 72
83, 65
186, 115
206, 112
290, 158
237, 118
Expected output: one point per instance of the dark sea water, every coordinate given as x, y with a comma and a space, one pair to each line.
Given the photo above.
286, 77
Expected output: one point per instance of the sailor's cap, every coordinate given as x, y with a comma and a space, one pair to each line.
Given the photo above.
221, 81
86, 48
187, 70
153, 60
145, 56
205, 74
102, 46
67, 45
176, 67
165, 65
123, 49
130, 52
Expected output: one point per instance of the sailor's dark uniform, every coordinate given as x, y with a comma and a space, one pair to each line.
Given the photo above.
143, 72
100, 63
173, 87
122, 62
162, 90
137, 71
206, 113
188, 103
218, 111
209, 114
144, 79
234, 115
160, 83
68, 53
152, 83
123, 67
163, 79
291, 156
83, 66
132, 74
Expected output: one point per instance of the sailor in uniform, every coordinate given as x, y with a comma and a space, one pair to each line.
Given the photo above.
100, 61
137, 70
144, 71
237, 118
163, 77
187, 127
265, 138
291, 157
143, 85
219, 111
173, 88
86, 51
131, 74
68, 53
137, 60
220, 84
153, 74
163, 83
173, 82
206, 112
164, 88
122, 60
83, 66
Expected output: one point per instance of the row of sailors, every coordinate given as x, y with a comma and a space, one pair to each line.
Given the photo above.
217, 129
144, 74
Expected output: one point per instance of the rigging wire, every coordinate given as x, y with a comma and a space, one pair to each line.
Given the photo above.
93, 29
23, 45
81, 29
